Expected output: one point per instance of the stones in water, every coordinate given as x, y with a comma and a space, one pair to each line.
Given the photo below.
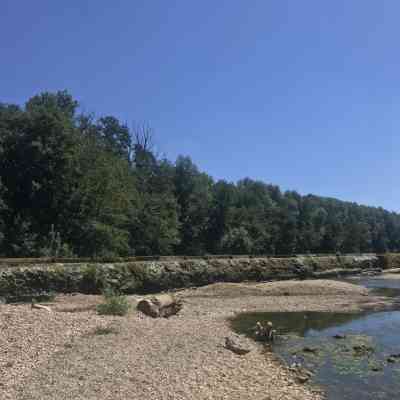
309, 349
265, 332
339, 336
302, 374
362, 350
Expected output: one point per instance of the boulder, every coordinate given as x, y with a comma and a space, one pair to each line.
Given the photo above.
234, 344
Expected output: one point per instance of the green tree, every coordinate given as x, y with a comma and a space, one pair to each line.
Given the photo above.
116, 136
224, 198
156, 228
105, 201
2, 216
237, 241
38, 145
193, 191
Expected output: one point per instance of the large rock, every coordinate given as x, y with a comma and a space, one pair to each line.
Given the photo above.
235, 344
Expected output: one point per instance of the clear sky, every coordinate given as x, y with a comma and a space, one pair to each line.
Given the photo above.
304, 94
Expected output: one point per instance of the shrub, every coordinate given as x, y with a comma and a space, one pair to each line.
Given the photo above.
93, 279
114, 304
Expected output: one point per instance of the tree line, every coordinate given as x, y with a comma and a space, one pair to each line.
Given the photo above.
75, 185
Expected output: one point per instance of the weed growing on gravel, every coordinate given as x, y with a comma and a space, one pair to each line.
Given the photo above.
114, 304
105, 330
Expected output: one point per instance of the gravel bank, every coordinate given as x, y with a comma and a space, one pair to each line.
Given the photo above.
58, 355
283, 288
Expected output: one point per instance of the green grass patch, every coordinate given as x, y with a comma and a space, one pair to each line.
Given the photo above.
114, 304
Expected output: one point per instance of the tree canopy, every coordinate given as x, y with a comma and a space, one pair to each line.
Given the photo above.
73, 185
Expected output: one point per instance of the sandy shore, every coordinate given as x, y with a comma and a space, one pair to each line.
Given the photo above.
58, 355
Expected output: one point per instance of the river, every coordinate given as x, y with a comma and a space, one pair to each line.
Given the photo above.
353, 356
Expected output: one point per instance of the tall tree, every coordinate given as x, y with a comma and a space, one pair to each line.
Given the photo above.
224, 198
193, 191
105, 202
156, 227
2, 211
38, 145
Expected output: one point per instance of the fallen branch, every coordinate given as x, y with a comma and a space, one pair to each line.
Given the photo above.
40, 307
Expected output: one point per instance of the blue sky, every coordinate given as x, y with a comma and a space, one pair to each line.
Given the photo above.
304, 94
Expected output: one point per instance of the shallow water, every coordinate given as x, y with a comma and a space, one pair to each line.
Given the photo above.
343, 372
380, 286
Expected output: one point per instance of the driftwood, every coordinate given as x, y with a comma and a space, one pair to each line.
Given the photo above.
40, 307
163, 305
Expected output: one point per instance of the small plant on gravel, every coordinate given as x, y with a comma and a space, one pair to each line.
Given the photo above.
114, 304
105, 330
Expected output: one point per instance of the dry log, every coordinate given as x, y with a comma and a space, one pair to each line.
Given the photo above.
40, 307
163, 305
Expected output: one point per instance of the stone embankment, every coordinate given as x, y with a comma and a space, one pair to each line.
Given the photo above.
19, 279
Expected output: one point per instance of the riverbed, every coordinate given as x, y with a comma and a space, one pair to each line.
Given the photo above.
71, 352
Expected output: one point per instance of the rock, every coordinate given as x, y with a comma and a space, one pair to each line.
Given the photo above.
294, 367
265, 332
302, 378
339, 336
363, 350
308, 349
308, 373
235, 346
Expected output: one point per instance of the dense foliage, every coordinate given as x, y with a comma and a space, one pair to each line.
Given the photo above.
72, 185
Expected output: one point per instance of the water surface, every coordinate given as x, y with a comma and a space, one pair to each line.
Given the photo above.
362, 365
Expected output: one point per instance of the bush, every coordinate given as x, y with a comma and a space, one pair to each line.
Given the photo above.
93, 279
114, 304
